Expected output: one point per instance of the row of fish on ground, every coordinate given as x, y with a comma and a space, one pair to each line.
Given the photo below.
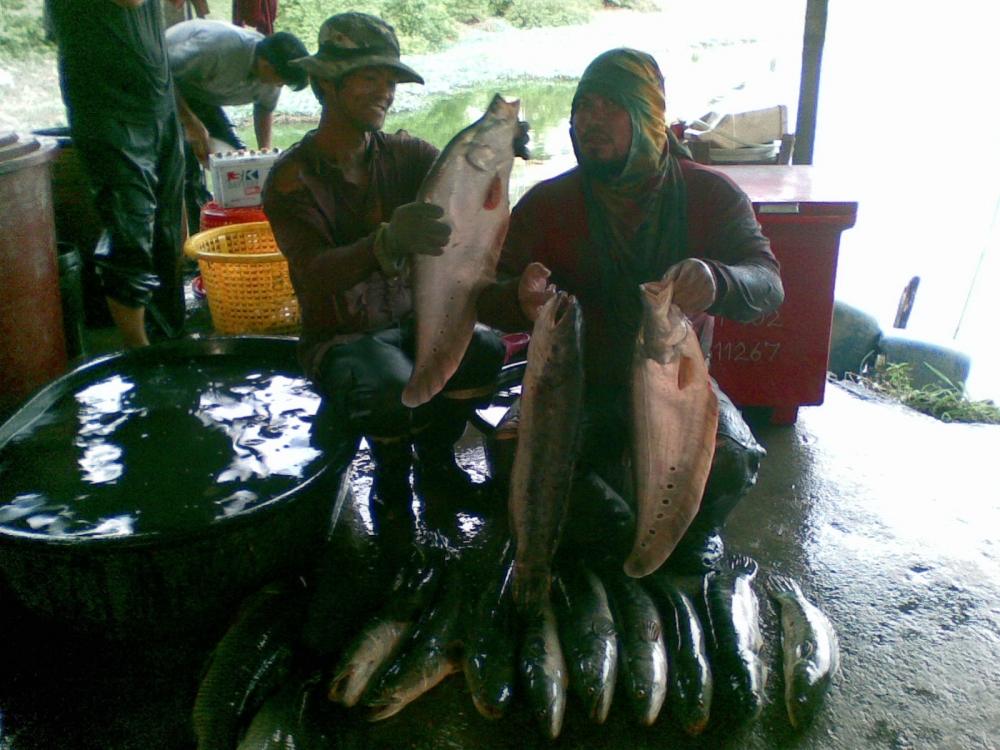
654, 642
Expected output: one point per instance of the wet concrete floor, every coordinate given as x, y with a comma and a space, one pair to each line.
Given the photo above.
888, 518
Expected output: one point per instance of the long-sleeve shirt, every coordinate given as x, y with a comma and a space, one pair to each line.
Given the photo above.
549, 225
326, 228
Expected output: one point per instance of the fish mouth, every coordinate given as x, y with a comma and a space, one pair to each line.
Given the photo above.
565, 307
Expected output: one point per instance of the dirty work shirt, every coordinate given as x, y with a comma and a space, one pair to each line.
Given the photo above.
212, 62
549, 225
323, 223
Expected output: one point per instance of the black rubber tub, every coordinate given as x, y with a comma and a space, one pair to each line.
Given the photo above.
190, 575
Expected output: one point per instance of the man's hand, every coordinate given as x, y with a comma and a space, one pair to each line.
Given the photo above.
416, 229
694, 285
196, 134
534, 290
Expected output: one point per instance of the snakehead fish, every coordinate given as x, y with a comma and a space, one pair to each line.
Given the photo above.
589, 639
282, 723
252, 660
490, 656
733, 626
689, 683
810, 650
543, 670
643, 653
548, 436
380, 639
469, 180
674, 418
431, 654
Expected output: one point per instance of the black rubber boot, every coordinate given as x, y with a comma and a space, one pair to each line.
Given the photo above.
390, 500
436, 472
733, 473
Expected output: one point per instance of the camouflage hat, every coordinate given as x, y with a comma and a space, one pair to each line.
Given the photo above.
349, 41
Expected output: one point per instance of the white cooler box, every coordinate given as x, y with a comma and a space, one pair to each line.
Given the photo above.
238, 176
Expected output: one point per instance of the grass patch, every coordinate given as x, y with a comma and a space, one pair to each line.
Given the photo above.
946, 402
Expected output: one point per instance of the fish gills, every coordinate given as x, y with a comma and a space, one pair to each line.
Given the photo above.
469, 180
733, 615
250, 661
643, 652
543, 670
431, 655
810, 650
674, 418
690, 682
381, 638
589, 639
547, 444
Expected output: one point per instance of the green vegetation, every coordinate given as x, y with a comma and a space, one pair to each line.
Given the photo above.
946, 402
22, 30
427, 25
545, 103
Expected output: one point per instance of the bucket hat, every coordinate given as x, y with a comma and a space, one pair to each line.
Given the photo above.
349, 41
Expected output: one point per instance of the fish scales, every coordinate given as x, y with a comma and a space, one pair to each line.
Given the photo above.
589, 639
690, 681
490, 655
733, 625
643, 652
675, 414
470, 181
430, 656
810, 650
543, 670
251, 660
381, 638
547, 443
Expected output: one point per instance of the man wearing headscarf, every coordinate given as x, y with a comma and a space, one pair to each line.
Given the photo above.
637, 209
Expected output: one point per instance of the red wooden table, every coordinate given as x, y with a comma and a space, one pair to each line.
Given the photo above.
780, 360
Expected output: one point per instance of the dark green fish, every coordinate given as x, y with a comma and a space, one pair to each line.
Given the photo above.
543, 670
375, 645
490, 655
644, 657
282, 722
547, 443
251, 661
689, 691
431, 654
810, 650
733, 626
589, 640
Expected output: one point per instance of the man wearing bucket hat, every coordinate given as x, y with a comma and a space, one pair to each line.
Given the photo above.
637, 209
342, 203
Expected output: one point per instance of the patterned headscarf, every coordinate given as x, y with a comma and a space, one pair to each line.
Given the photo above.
638, 219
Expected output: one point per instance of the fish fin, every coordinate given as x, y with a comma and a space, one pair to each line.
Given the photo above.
779, 584
494, 194
743, 564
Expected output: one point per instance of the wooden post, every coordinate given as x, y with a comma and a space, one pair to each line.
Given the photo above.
813, 39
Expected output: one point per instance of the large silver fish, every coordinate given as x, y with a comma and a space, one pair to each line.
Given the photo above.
469, 180
810, 651
551, 404
674, 418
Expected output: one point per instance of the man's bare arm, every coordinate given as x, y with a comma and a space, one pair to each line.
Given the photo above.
262, 121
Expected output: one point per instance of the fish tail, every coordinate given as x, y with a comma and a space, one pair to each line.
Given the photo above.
779, 585
422, 387
743, 564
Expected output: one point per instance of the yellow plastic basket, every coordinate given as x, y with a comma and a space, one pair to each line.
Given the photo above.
245, 278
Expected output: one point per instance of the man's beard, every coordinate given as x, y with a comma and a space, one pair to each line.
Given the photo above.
605, 171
